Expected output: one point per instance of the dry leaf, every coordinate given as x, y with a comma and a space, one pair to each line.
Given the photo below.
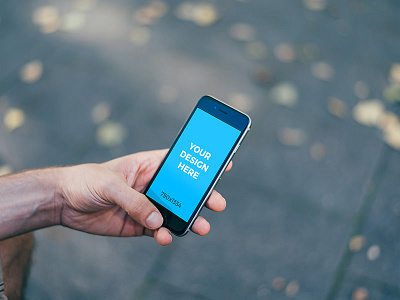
5, 169
150, 13
392, 93
395, 73
14, 118
262, 75
241, 101
202, 14
284, 94
291, 137
285, 52
322, 70
110, 134
47, 17
278, 284
356, 243
101, 112
360, 294
369, 112
392, 135
242, 32
373, 252
316, 5
337, 107
32, 71
73, 21
292, 288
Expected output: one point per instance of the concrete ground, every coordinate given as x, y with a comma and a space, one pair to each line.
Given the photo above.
313, 198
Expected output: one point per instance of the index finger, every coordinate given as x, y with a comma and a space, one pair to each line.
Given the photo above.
229, 166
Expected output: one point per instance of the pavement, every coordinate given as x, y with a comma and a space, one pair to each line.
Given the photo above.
313, 199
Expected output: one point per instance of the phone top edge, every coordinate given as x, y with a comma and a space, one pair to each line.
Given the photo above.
232, 117
228, 105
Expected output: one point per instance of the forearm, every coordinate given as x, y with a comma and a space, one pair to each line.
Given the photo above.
29, 200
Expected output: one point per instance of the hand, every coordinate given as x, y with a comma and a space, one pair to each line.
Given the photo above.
107, 198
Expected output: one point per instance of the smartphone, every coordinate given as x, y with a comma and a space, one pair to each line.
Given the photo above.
195, 162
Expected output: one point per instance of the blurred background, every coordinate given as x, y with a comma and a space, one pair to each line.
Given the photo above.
313, 198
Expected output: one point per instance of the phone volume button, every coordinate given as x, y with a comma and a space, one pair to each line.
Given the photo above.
236, 148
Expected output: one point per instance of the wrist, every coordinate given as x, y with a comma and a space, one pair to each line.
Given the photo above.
29, 200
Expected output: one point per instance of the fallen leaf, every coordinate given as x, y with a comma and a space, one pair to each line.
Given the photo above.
32, 71
150, 13
292, 288
337, 107
373, 252
5, 169
47, 18
202, 14
316, 5
278, 283
322, 70
14, 118
395, 73
262, 75
101, 112
360, 294
241, 101
242, 32
285, 52
356, 243
110, 134
291, 137
392, 93
284, 94
369, 112
73, 21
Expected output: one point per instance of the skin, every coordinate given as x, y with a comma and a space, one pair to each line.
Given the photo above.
120, 209
103, 199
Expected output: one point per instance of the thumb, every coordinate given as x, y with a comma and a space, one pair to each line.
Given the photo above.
136, 205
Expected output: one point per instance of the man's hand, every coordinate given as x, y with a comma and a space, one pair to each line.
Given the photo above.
107, 198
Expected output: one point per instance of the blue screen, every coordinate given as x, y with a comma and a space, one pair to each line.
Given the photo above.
192, 164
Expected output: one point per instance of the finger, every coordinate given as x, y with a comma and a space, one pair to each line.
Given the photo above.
201, 226
163, 236
135, 204
216, 202
229, 166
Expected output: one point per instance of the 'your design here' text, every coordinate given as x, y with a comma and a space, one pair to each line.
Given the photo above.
192, 159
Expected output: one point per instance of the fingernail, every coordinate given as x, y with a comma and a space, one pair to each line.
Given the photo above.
155, 220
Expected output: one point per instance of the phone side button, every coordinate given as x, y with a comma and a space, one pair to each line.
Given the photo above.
236, 148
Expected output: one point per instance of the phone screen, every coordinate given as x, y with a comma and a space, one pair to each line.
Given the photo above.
193, 163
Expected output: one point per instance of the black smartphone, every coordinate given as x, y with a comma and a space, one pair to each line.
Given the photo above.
195, 162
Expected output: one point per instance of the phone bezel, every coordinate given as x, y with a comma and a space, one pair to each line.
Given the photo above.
230, 116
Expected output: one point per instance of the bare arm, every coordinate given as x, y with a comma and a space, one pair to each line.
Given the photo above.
103, 199
28, 200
